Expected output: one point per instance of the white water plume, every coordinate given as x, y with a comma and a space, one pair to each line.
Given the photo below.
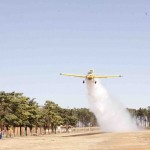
110, 114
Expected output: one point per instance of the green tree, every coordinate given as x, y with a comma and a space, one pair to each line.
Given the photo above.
85, 117
8, 118
33, 115
52, 117
141, 114
69, 118
148, 115
20, 109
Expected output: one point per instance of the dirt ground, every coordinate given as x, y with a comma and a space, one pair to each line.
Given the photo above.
80, 141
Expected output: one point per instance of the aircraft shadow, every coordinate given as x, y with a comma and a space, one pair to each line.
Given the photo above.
84, 134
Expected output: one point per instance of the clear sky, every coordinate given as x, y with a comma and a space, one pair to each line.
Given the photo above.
41, 38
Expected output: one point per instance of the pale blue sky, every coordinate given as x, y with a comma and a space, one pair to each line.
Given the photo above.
41, 38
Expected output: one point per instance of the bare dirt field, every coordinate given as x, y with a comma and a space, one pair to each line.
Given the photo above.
80, 141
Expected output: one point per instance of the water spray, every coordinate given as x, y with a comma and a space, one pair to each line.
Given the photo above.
111, 115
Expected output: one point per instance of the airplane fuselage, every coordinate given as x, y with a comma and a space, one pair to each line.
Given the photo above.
90, 76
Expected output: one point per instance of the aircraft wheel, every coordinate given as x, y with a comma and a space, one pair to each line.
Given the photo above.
83, 81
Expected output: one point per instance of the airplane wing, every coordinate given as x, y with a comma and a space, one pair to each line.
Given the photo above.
114, 76
74, 75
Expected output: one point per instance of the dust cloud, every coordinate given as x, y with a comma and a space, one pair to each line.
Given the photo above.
111, 115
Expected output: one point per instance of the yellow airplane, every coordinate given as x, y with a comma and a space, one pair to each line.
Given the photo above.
90, 76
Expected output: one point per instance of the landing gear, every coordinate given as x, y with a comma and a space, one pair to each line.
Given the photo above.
83, 81
95, 82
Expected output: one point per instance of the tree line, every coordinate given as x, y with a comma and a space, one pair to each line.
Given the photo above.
17, 110
142, 116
